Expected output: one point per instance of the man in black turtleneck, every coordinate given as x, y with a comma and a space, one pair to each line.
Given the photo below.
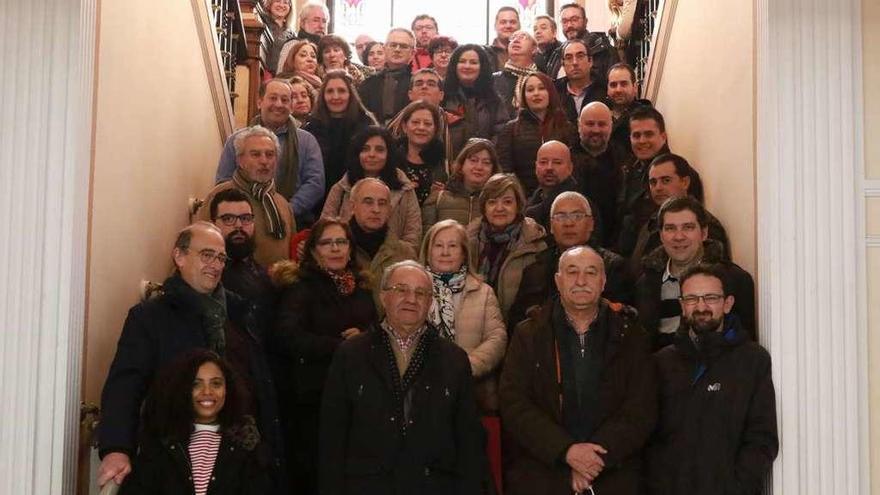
712, 379
375, 247
386, 93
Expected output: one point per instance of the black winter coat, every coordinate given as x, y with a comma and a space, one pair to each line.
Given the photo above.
716, 432
372, 89
602, 180
595, 92
649, 303
363, 448
517, 146
479, 117
157, 331
163, 467
531, 411
334, 139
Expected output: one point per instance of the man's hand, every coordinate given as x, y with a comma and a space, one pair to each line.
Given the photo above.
579, 482
115, 466
585, 459
350, 332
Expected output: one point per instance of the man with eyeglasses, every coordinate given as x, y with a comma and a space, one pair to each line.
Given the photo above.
375, 246
573, 19
398, 411
571, 224
684, 236
579, 87
193, 311
716, 430
578, 391
256, 152
385, 93
425, 28
232, 213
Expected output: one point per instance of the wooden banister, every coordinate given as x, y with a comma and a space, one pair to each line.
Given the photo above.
659, 18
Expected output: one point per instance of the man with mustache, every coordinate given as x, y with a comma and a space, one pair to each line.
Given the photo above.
553, 168
684, 234
232, 213
578, 392
716, 429
256, 152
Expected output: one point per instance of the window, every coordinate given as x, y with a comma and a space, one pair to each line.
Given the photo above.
468, 21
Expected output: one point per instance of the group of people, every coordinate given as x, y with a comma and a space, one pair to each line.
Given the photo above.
468, 270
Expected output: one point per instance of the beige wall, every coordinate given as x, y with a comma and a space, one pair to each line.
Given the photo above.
156, 144
708, 103
871, 88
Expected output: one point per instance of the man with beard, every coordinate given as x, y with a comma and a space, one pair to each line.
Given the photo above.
571, 224
232, 213
573, 18
717, 414
599, 167
313, 18
425, 28
194, 311
578, 392
684, 236
622, 92
256, 151
553, 168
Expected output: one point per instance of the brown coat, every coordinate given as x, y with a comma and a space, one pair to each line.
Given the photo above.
531, 242
531, 411
405, 220
453, 202
268, 250
480, 331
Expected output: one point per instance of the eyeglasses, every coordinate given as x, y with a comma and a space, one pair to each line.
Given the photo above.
398, 46
229, 219
403, 290
341, 242
207, 256
576, 216
709, 299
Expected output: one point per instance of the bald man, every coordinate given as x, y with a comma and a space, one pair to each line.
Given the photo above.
554, 169
599, 162
601, 377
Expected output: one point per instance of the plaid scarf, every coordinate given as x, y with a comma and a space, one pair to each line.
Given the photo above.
521, 74
262, 192
446, 285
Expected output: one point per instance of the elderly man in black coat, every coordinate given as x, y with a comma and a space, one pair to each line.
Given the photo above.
399, 415
195, 311
717, 424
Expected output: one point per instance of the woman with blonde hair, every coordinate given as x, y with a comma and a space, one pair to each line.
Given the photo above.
465, 309
504, 242
459, 198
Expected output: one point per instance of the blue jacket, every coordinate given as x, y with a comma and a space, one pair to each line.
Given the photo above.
311, 169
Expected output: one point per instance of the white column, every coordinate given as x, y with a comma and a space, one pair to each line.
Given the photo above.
46, 77
810, 240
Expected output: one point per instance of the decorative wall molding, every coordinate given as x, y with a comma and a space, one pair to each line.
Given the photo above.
47, 51
811, 240
871, 188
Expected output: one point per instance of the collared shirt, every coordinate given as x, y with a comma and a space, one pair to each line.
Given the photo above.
403, 346
670, 290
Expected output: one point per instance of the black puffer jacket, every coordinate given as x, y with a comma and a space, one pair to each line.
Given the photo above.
717, 425
518, 142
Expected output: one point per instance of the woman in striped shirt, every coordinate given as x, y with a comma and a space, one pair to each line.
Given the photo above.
196, 438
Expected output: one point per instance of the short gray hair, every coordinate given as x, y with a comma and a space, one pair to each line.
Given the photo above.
400, 264
571, 195
584, 247
367, 180
304, 10
400, 30
253, 131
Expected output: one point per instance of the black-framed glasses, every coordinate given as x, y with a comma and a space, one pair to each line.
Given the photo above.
403, 290
340, 242
693, 299
576, 216
207, 256
229, 219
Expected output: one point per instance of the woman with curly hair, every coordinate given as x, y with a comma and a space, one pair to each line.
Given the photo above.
373, 55
540, 118
334, 53
196, 437
372, 154
324, 300
473, 108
